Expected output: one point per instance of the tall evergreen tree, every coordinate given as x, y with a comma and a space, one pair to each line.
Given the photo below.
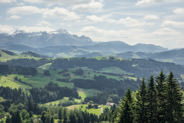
125, 111
174, 98
161, 97
64, 116
140, 108
52, 120
60, 115
16, 117
151, 102
8, 119
43, 118
160, 103
129, 96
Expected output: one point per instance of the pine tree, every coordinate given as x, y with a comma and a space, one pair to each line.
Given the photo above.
52, 120
129, 96
140, 108
174, 97
160, 103
72, 117
151, 102
43, 118
60, 116
16, 117
8, 119
125, 111
64, 116
161, 98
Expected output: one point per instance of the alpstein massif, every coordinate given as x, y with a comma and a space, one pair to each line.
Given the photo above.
63, 44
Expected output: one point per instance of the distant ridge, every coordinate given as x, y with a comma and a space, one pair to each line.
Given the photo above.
64, 44
175, 56
29, 53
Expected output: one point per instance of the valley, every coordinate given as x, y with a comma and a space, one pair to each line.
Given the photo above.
93, 81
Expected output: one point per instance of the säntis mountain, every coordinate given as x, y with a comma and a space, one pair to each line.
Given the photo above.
62, 44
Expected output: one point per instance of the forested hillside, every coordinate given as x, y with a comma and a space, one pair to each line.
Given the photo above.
37, 88
159, 101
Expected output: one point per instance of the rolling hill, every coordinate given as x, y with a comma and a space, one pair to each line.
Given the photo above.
75, 82
174, 56
136, 67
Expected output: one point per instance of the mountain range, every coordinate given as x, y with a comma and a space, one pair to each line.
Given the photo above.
39, 40
64, 44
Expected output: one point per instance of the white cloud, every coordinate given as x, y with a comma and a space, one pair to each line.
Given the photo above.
127, 21
92, 5
95, 18
53, 13
30, 29
100, 34
166, 32
6, 29
179, 11
24, 10
145, 2
151, 2
130, 22
56, 2
177, 14
67, 2
151, 17
11, 29
177, 24
60, 13
15, 17
168, 37
33, 1
44, 23
7, 1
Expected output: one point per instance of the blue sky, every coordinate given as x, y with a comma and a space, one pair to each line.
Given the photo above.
158, 22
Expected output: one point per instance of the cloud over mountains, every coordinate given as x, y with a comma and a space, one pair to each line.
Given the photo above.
137, 21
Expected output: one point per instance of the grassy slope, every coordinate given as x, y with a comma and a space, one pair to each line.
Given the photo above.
40, 81
61, 101
8, 81
114, 70
35, 81
6, 57
83, 107
83, 93
89, 74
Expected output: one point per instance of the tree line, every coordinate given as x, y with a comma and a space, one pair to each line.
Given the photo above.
159, 101
49, 115
49, 93
7, 69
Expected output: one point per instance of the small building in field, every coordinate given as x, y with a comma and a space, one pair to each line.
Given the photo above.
110, 104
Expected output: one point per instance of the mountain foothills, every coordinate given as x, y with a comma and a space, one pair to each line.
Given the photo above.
40, 89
